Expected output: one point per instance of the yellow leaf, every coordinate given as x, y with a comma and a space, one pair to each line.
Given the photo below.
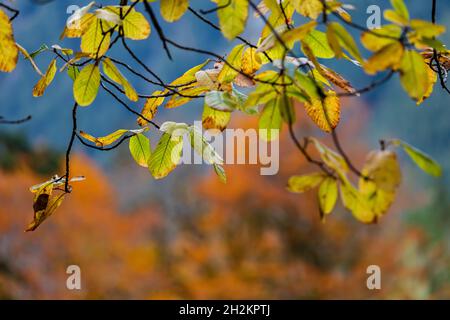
9, 51
325, 113
251, 61
150, 108
432, 79
387, 57
187, 79
79, 27
309, 8
86, 85
187, 94
328, 194
45, 202
110, 138
93, 41
110, 69
232, 17
377, 39
172, 10
384, 176
298, 33
215, 119
135, 25
300, 184
354, 201
45, 81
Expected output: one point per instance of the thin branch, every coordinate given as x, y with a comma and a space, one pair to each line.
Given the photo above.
67, 188
14, 11
122, 140
216, 8
158, 28
4, 121
127, 106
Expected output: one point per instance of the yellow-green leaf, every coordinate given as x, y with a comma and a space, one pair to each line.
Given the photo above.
421, 159
165, 156
140, 149
110, 69
414, 75
232, 17
345, 40
318, 42
270, 121
86, 85
227, 74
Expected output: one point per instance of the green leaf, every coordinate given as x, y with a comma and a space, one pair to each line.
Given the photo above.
140, 149
421, 159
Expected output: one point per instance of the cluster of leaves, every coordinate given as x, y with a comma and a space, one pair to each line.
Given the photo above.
377, 186
276, 79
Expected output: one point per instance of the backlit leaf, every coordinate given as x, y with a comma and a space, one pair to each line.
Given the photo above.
232, 17
166, 156
140, 149
86, 85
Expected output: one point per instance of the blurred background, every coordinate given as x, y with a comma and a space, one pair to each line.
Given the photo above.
189, 236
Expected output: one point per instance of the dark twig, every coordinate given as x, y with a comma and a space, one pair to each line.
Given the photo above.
158, 28
67, 188
4, 121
